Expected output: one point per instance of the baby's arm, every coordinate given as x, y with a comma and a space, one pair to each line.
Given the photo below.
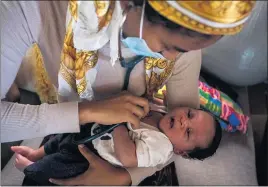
125, 148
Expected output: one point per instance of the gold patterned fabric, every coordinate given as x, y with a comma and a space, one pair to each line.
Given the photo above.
208, 17
76, 63
43, 86
157, 73
104, 11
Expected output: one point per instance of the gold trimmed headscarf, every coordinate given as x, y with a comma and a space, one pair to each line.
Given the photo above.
208, 17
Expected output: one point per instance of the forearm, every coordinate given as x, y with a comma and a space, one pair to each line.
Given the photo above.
125, 148
19, 121
86, 112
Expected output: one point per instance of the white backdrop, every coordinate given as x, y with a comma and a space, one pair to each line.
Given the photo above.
241, 59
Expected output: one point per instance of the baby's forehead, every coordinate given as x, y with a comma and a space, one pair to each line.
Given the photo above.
181, 109
207, 134
184, 109
204, 127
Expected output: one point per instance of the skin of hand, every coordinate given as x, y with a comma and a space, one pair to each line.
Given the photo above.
22, 162
121, 108
29, 153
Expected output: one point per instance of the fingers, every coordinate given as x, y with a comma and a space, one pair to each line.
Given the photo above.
21, 162
20, 150
140, 102
133, 119
90, 156
69, 182
138, 111
16, 149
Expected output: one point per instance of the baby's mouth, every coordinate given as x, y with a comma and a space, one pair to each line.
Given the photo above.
171, 122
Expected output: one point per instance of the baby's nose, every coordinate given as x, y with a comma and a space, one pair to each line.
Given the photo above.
184, 122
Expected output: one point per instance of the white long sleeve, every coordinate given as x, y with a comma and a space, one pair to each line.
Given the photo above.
19, 122
22, 24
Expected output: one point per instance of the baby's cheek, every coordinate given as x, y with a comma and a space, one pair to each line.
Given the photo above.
178, 143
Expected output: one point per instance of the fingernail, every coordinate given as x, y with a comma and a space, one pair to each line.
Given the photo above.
81, 145
51, 180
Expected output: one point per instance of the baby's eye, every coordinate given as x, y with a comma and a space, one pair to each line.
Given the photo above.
190, 114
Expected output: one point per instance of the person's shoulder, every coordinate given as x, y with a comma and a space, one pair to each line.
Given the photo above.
190, 55
188, 58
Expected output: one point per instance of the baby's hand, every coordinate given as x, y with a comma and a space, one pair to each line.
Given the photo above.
22, 162
26, 152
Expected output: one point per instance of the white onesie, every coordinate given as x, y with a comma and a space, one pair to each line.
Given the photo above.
152, 146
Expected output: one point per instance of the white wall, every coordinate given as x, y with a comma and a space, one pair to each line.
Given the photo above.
241, 59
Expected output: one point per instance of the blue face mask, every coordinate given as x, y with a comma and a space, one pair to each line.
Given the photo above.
138, 45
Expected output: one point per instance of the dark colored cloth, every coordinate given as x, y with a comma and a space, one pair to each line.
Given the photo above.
63, 160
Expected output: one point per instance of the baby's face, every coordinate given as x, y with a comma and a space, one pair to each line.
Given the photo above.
188, 128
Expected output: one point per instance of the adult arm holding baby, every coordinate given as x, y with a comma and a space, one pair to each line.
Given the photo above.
20, 121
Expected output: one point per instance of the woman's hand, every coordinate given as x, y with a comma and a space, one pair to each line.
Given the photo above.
100, 172
122, 108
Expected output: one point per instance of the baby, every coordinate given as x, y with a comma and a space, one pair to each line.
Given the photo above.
189, 132
184, 131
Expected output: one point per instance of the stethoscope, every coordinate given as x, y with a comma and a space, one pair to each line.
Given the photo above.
83, 137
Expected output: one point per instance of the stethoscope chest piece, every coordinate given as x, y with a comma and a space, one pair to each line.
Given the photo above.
85, 134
